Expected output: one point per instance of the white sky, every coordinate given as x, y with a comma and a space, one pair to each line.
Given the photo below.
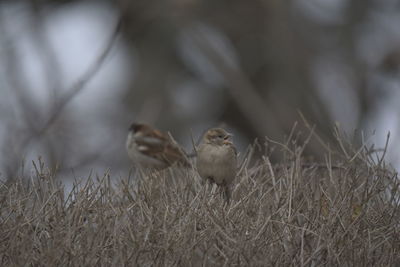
77, 34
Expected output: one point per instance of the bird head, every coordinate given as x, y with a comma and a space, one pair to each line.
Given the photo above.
217, 136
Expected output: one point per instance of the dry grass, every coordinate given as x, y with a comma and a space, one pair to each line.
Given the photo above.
282, 214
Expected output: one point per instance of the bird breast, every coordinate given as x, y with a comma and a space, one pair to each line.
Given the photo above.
217, 162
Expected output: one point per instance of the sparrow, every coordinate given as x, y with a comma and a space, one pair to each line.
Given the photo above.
150, 148
217, 159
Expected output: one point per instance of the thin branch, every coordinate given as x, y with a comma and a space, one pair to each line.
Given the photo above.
319, 139
75, 89
39, 131
82, 82
249, 101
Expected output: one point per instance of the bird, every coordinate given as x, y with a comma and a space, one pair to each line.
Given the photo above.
217, 159
151, 149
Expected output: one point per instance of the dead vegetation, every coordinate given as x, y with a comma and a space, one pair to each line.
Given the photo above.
288, 214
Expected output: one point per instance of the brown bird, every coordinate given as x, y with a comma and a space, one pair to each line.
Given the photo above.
217, 159
150, 148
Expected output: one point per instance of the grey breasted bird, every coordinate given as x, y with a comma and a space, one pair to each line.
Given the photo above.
150, 148
217, 159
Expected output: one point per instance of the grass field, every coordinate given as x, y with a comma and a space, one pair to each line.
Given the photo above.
289, 213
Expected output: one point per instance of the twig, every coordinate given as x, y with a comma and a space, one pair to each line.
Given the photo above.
319, 139
81, 83
242, 91
193, 144
385, 149
74, 91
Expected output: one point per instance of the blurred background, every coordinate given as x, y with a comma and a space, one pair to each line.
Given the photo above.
75, 74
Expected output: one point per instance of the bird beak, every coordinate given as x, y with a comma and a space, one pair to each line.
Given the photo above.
227, 142
228, 136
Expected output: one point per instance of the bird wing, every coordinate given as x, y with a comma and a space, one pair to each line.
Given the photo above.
231, 145
160, 147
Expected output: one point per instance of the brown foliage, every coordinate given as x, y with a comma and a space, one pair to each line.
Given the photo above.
283, 214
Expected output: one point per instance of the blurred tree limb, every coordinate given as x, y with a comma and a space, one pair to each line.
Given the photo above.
29, 111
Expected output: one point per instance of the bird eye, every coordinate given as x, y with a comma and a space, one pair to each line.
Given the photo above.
221, 136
